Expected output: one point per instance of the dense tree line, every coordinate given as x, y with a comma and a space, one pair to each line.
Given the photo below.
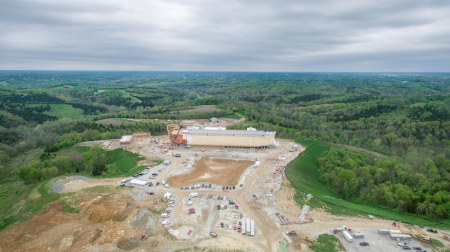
416, 184
31, 98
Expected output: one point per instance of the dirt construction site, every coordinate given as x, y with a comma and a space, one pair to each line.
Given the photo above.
203, 199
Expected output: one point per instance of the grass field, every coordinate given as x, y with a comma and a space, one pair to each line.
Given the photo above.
123, 161
61, 110
18, 203
303, 172
326, 243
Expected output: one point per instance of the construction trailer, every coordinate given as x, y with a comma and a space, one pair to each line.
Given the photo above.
248, 226
394, 231
252, 227
347, 236
138, 183
243, 229
400, 237
383, 231
358, 235
338, 229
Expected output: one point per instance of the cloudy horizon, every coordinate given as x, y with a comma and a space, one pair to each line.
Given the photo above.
287, 36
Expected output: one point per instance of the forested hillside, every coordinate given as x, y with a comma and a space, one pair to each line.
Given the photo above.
403, 116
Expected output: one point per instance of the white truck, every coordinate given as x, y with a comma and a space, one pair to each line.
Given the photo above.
248, 227
244, 230
165, 222
165, 215
192, 195
252, 227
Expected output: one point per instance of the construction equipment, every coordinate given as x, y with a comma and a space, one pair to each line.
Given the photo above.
306, 238
421, 236
144, 236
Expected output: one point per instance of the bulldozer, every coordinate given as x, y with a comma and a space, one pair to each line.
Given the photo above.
308, 239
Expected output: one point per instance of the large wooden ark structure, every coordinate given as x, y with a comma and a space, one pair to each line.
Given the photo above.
221, 138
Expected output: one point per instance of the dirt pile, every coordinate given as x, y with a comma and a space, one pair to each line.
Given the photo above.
108, 207
13, 238
128, 243
228, 174
145, 222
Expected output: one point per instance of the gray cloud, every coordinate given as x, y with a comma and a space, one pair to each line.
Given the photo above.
371, 35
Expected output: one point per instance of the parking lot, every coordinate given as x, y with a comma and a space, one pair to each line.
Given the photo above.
376, 242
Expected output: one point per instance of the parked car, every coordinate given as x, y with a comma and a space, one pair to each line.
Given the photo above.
417, 248
432, 230
221, 224
213, 234
223, 187
364, 244
189, 232
402, 244
406, 248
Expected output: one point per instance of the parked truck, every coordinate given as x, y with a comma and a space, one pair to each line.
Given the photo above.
193, 195
248, 226
244, 230
252, 227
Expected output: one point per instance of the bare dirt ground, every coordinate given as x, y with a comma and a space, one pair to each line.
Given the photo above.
200, 108
228, 174
77, 185
106, 223
115, 121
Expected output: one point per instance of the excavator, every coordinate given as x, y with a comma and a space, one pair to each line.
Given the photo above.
308, 239
421, 236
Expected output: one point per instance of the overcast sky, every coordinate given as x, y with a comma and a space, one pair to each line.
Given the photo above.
191, 35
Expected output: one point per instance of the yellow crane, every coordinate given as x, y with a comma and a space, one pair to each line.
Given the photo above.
421, 236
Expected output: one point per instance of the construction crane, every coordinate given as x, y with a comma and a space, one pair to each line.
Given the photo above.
421, 236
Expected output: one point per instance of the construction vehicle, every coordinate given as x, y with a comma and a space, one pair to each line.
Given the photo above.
421, 236
144, 236
306, 238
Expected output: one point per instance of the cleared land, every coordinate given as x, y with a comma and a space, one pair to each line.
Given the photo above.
61, 110
201, 108
228, 173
